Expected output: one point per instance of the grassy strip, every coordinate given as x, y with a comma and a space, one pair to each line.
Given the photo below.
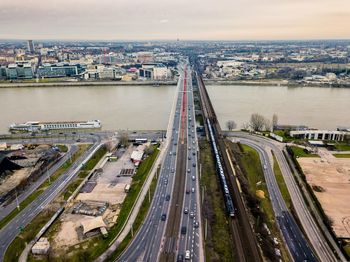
342, 147
341, 155
218, 243
281, 183
250, 162
44, 185
30, 231
138, 221
300, 152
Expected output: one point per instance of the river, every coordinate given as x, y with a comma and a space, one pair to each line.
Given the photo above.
148, 107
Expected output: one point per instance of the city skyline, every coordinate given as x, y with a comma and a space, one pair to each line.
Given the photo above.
159, 20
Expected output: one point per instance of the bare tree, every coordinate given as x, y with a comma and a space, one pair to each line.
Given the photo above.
246, 126
274, 121
268, 125
257, 122
124, 138
231, 125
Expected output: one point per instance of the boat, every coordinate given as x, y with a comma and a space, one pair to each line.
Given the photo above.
36, 126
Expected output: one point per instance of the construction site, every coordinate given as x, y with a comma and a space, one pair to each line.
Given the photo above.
96, 203
329, 178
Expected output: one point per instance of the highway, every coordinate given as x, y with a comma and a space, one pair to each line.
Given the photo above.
310, 227
151, 242
12, 229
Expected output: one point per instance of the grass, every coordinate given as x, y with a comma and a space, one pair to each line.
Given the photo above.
44, 185
256, 180
219, 243
62, 148
342, 147
342, 155
300, 152
138, 221
281, 183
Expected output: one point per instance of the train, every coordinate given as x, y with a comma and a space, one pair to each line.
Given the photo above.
227, 196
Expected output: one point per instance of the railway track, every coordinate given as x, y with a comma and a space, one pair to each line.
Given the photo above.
245, 242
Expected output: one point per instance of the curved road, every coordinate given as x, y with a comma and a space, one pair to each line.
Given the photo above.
310, 227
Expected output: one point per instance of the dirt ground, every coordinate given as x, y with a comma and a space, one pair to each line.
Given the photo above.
330, 179
13, 180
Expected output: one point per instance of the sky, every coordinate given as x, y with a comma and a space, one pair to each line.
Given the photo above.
169, 20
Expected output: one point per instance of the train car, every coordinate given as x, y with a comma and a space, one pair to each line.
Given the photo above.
227, 196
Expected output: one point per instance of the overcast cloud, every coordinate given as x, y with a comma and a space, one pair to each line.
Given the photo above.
183, 19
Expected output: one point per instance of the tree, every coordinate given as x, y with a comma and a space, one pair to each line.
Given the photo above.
274, 120
257, 122
124, 138
231, 125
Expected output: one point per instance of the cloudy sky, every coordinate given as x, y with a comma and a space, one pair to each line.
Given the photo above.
172, 19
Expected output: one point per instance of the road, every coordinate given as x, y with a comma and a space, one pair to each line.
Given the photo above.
12, 229
151, 241
293, 237
7, 208
310, 227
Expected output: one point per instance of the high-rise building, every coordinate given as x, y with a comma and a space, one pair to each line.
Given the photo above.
30, 46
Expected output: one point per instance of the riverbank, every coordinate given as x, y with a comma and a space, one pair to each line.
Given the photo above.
262, 82
87, 83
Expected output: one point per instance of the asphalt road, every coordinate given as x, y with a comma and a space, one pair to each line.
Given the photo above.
150, 240
12, 229
315, 236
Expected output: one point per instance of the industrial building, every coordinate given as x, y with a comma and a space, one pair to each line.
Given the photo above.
319, 135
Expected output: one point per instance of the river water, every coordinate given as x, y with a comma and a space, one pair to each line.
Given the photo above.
148, 107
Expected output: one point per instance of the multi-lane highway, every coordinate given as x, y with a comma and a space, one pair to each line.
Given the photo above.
310, 227
159, 236
25, 216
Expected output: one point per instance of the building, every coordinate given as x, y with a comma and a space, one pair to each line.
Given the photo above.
60, 70
41, 247
319, 135
19, 71
154, 71
30, 46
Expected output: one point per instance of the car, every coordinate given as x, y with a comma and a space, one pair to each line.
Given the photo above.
194, 164
78, 140
191, 214
189, 148
193, 153
165, 181
167, 198
180, 258
163, 217
187, 255
196, 224
187, 191
170, 153
193, 142
188, 170
193, 178
175, 144
192, 190
189, 157
186, 210
183, 230
174, 153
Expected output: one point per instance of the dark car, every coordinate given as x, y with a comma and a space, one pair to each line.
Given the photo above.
167, 198
180, 258
183, 230
187, 191
163, 217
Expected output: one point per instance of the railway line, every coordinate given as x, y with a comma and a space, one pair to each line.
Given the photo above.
245, 242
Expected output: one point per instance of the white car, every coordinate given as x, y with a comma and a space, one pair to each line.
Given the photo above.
188, 255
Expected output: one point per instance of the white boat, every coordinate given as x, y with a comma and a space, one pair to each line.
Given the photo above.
34, 126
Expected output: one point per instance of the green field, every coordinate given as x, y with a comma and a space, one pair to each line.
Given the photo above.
300, 152
281, 183
342, 155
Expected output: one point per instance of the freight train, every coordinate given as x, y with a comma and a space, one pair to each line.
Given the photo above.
228, 200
